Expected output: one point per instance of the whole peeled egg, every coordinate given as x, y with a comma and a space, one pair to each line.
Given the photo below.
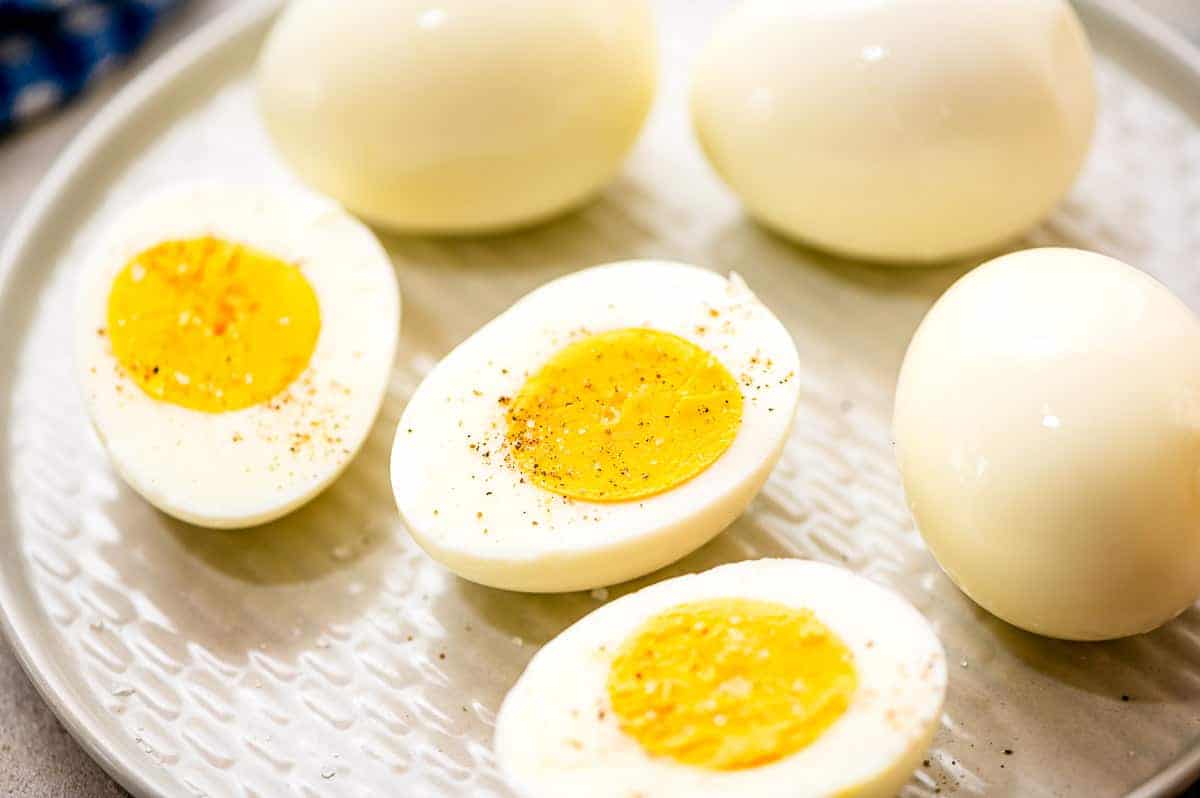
458, 116
910, 130
1047, 427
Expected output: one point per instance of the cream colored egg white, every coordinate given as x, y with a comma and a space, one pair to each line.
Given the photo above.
1047, 427
557, 735
472, 510
897, 129
246, 467
462, 115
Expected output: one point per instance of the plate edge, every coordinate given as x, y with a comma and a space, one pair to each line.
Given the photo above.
142, 89
1153, 33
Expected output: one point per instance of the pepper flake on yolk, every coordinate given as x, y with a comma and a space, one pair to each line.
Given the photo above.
212, 325
727, 684
623, 415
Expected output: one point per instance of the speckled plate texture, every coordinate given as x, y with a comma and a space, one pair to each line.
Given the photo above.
326, 655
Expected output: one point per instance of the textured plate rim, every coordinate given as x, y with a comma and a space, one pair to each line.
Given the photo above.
1137, 25
1154, 35
71, 710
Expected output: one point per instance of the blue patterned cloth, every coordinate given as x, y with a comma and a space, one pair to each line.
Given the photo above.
50, 50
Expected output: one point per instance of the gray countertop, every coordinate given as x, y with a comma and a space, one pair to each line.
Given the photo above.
37, 757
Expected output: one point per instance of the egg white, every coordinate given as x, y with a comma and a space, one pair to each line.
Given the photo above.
243, 467
556, 734
1046, 426
897, 129
471, 116
475, 512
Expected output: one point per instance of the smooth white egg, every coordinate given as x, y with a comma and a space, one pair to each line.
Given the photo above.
458, 116
490, 502
574, 725
908, 130
234, 344
1047, 426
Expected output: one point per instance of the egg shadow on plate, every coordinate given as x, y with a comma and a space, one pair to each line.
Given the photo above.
308, 545
537, 617
1156, 667
274, 588
452, 285
507, 628
745, 240
602, 228
866, 312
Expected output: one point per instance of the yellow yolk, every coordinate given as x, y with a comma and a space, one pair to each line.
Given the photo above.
728, 684
623, 415
212, 325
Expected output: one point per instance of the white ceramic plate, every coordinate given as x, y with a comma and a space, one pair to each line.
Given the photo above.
326, 655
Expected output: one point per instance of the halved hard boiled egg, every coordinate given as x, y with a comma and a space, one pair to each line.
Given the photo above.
604, 426
234, 344
768, 678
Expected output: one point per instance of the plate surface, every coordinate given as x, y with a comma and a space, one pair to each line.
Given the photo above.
326, 655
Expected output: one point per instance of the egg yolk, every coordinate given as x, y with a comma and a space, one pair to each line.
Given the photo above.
727, 684
212, 325
622, 415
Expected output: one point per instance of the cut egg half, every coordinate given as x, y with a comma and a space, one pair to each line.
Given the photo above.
234, 344
604, 426
766, 678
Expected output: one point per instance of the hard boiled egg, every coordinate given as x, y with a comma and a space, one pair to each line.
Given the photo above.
233, 344
897, 129
768, 678
1048, 430
458, 116
605, 425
